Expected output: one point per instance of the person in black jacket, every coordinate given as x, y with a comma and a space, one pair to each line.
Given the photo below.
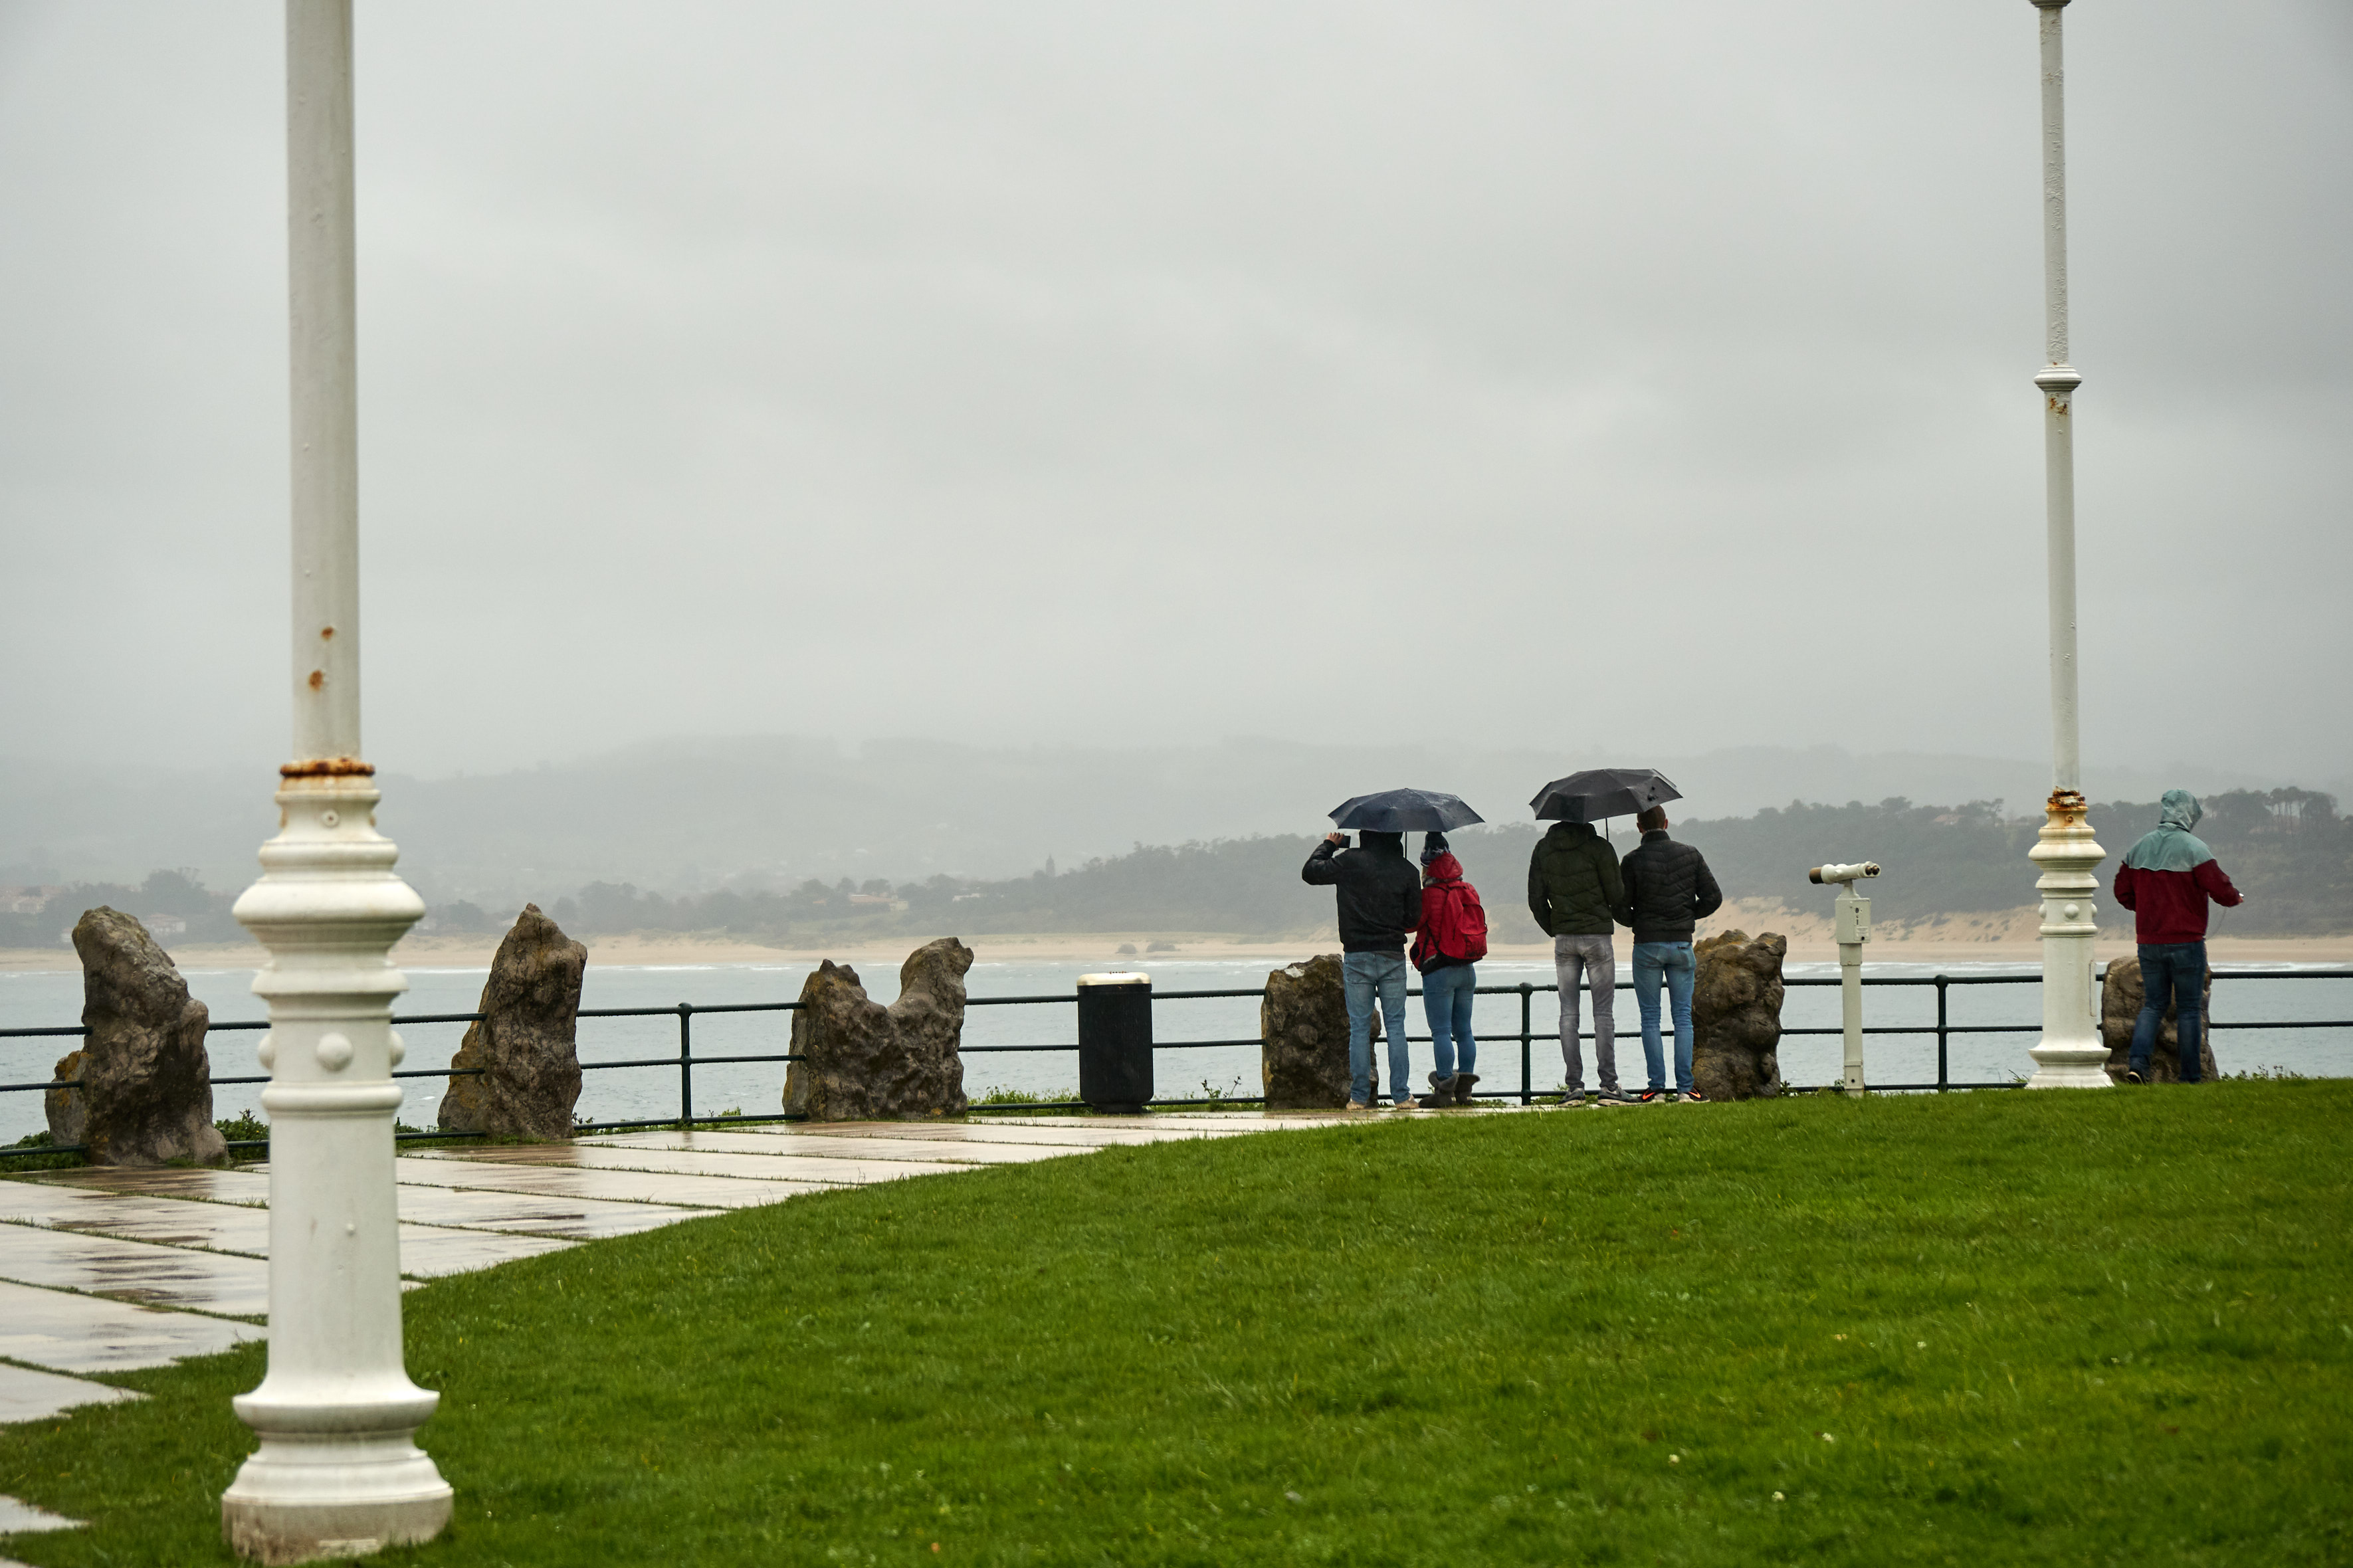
1381, 901
1669, 890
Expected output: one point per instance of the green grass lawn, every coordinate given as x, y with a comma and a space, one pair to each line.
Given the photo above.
1984, 1328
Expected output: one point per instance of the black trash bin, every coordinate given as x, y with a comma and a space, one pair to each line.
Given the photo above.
1115, 1042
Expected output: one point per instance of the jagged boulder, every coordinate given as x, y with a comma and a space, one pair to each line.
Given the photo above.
1736, 1015
2121, 995
146, 1094
526, 1042
1302, 1028
864, 1062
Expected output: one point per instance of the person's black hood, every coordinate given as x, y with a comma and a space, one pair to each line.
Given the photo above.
1383, 843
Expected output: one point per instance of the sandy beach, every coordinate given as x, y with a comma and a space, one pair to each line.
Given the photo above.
2009, 937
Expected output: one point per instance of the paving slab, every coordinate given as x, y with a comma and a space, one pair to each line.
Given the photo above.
524, 1213
66, 1332
426, 1251
240, 1186
619, 1187
1024, 1135
135, 1270
24, 1519
430, 1252
29, 1395
750, 1167
574, 1218
931, 1151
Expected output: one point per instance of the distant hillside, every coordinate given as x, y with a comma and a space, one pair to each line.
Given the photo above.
2288, 849
692, 815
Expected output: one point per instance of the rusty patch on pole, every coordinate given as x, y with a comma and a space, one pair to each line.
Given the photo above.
327, 768
2065, 807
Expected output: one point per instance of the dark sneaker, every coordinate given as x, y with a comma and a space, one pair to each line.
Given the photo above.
2132, 1074
1693, 1097
1463, 1084
1616, 1097
1655, 1096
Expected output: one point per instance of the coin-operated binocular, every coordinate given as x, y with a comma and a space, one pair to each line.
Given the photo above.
1850, 928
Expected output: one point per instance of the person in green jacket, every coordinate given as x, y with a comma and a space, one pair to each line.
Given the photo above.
1573, 885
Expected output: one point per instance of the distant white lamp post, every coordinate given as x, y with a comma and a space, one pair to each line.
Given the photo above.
337, 1473
2069, 1055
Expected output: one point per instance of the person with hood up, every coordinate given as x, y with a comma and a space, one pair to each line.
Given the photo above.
1573, 887
2166, 881
1450, 942
1380, 895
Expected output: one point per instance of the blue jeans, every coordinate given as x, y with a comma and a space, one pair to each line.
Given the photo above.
2175, 972
1446, 1001
1670, 961
1361, 975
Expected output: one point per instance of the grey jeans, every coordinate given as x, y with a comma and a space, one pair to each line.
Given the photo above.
1596, 957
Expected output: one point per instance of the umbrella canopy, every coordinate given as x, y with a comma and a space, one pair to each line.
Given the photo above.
1404, 810
1600, 793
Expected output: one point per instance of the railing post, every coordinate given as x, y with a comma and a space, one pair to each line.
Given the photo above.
1527, 1080
1944, 1075
686, 1063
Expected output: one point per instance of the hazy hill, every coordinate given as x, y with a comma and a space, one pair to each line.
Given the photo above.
690, 817
2287, 850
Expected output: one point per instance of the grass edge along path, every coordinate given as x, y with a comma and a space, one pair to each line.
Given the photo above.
1982, 1328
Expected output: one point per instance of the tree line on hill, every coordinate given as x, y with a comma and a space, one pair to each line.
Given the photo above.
2288, 849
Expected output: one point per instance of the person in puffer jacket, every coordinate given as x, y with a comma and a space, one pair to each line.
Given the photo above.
1669, 890
2166, 881
1380, 899
1449, 984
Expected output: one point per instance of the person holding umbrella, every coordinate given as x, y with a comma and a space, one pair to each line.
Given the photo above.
1380, 897
1574, 891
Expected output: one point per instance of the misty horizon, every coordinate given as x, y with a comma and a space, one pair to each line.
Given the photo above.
688, 814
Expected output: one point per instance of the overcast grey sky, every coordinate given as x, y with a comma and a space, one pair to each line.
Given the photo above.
1653, 377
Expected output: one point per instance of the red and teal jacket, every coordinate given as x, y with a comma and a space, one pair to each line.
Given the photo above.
2170, 906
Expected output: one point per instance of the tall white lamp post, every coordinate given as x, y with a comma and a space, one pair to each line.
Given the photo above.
337, 1473
2069, 1055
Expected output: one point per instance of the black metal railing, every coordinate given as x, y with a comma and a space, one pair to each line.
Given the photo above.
1943, 1029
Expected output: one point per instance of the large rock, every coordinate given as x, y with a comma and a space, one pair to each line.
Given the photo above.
146, 1094
2121, 995
864, 1062
1736, 1015
1302, 1030
526, 1042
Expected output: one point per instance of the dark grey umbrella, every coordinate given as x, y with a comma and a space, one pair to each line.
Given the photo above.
1404, 810
1601, 792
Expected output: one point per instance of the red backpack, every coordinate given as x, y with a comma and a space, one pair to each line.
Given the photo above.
1453, 924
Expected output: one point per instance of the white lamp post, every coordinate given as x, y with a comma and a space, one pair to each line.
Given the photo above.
2069, 1055
336, 1474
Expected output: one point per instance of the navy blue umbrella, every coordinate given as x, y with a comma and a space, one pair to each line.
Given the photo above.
1598, 793
1404, 810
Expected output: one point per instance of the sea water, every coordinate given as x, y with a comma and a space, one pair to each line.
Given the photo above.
53, 998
